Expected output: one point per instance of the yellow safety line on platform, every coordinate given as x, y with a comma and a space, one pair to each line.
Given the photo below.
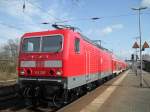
100, 100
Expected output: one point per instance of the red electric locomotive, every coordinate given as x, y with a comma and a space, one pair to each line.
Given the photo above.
58, 64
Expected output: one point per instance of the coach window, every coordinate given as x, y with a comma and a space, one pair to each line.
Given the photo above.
77, 45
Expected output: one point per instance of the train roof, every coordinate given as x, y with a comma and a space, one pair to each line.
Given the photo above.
92, 42
40, 33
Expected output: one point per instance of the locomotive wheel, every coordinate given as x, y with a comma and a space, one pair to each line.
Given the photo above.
99, 82
56, 102
60, 99
75, 94
35, 102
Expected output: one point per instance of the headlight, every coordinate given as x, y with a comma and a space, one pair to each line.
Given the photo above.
22, 72
58, 72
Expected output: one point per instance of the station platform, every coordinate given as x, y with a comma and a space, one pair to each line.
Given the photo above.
121, 94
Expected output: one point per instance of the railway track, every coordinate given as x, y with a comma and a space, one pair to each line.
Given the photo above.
10, 101
8, 92
17, 105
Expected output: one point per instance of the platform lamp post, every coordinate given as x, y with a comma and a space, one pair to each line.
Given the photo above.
139, 15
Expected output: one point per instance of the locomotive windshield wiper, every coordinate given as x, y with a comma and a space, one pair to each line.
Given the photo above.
59, 48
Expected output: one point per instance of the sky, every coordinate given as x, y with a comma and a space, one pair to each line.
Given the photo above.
117, 27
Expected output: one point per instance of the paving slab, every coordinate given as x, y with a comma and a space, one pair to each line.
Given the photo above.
129, 96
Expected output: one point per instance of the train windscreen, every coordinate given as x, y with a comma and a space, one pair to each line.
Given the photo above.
51, 43
42, 44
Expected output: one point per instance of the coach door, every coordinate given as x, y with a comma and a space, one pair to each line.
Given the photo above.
87, 77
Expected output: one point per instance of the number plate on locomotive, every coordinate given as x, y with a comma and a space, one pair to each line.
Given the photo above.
40, 72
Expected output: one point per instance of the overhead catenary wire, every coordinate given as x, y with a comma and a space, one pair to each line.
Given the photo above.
43, 10
69, 20
78, 19
101, 17
11, 26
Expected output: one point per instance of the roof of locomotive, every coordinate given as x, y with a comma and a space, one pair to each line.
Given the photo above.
61, 31
97, 45
41, 33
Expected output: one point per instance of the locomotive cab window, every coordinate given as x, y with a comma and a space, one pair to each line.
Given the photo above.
77, 45
52, 43
31, 44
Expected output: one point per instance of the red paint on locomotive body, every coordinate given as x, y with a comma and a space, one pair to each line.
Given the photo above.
76, 58
41, 57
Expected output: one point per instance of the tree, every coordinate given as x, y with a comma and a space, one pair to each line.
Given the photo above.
10, 50
8, 56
